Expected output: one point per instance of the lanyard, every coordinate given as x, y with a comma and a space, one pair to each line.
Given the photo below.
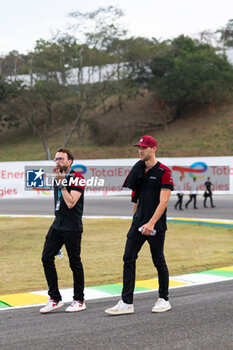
59, 189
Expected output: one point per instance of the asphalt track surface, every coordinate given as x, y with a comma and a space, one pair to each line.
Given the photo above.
120, 206
201, 317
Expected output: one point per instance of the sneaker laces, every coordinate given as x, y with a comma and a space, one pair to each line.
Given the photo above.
52, 301
74, 302
118, 305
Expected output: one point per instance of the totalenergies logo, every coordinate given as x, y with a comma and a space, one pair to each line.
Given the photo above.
79, 168
194, 169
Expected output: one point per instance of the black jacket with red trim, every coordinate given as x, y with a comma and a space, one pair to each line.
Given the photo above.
146, 188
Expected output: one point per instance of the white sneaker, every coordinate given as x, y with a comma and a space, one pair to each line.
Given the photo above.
51, 305
120, 308
161, 305
76, 306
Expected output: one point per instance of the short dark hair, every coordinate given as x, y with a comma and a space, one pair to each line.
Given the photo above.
69, 154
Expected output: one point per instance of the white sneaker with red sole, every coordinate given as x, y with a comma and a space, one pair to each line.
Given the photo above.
51, 306
76, 306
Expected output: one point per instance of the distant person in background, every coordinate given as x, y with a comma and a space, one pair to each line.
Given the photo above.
208, 193
193, 194
180, 194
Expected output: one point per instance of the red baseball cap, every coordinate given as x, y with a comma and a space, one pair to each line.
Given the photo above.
147, 141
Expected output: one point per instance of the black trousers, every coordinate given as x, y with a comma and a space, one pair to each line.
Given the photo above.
53, 243
180, 200
194, 198
134, 243
211, 199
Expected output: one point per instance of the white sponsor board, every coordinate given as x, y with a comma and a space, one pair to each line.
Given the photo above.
114, 172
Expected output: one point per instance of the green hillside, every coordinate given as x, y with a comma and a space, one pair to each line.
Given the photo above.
206, 132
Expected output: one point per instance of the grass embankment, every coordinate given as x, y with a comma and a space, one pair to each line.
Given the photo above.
207, 132
189, 248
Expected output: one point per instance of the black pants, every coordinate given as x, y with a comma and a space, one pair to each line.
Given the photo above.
53, 243
211, 199
134, 243
180, 200
194, 198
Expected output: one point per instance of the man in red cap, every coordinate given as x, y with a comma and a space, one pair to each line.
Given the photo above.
151, 183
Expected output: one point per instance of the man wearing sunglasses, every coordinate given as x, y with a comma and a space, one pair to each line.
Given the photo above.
66, 229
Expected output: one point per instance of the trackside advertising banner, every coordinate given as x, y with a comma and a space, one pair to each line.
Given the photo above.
35, 179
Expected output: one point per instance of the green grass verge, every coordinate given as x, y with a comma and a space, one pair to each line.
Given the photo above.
188, 248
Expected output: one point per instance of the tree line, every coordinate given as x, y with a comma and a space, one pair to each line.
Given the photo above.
180, 75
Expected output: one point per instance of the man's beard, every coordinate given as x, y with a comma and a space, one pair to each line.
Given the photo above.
145, 158
62, 168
